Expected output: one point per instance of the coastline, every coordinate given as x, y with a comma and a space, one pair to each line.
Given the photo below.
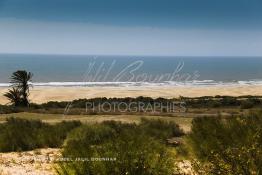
42, 94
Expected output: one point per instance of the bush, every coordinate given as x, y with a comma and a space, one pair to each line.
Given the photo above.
8, 109
131, 151
22, 135
54, 135
231, 146
119, 126
247, 104
160, 129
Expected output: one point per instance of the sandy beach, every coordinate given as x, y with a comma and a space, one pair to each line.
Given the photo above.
45, 94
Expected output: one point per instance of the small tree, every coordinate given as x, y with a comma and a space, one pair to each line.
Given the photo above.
19, 93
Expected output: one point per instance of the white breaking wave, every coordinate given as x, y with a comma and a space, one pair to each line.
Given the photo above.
132, 84
4, 84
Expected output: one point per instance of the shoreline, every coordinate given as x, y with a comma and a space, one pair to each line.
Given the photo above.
195, 83
44, 94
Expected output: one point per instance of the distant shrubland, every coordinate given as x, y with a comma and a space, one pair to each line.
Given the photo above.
91, 106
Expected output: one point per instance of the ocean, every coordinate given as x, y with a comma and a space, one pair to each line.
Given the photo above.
91, 70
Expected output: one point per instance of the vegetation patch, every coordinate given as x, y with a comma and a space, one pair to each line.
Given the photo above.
120, 148
22, 135
228, 146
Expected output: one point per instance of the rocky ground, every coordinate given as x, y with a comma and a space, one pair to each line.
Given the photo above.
185, 168
37, 162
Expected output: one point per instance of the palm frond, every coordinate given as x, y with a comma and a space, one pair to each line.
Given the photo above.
14, 96
21, 77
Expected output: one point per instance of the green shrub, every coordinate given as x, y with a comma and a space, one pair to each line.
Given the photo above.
18, 134
160, 129
131, 151
119, 126
229, 146
4, 109
247, 104
54, 135
215, 104
21, 135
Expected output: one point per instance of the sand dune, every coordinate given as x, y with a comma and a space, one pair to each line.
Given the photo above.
45, 94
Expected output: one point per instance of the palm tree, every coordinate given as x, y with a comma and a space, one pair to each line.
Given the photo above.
14, 96
20, 83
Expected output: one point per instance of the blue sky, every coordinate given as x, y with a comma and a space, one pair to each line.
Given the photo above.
132, 27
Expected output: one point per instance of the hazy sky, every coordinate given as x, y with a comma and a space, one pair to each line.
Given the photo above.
132, 27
